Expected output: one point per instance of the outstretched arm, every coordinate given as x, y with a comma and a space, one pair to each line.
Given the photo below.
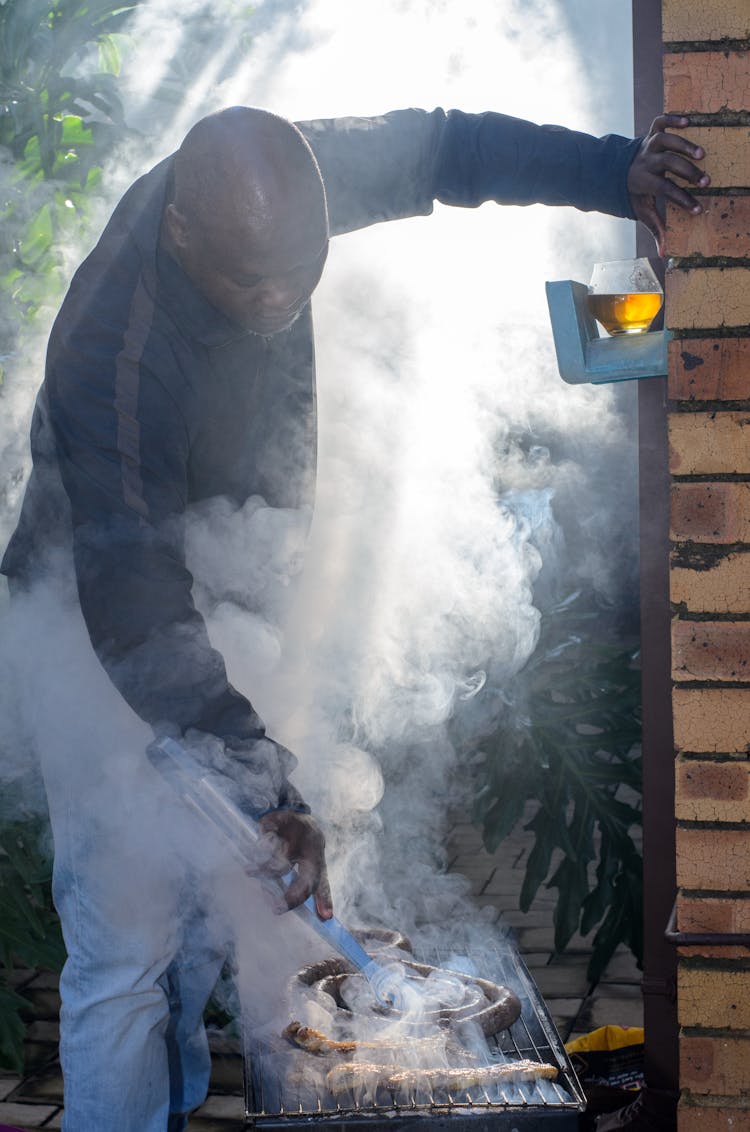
400, 163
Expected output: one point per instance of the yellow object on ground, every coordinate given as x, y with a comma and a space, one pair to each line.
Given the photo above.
611, 1055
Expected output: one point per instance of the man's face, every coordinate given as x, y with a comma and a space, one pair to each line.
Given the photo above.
259, 275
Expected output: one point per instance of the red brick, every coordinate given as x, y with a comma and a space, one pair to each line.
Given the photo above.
713, 914
692, 1117
713, 860
722, 229
710, 512
711, 720
708, 791
703, 444
706, 82
710, 369
713, 998
710, 650
715, 1065
727, 153
685, 20
721, 587
720, 951
712, 781
707, 297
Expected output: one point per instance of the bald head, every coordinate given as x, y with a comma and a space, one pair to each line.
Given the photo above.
252, 164
248, 219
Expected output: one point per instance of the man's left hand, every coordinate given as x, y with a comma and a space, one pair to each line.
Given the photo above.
662, 153
302, 844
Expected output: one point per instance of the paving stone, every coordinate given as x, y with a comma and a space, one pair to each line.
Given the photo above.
45, 1001
46, 980
537, 939
227, 1108
618, 1008
44, 1085
36, 1055
25, 1115
227, 1074
622, 967
44, 1031
535, 918
539, 958
564, 1013
552, 980
7, 1085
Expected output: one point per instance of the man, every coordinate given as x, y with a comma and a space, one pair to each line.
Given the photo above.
180, 369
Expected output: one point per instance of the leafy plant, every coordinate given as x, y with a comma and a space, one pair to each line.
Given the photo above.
29, 928
573, 749
59, 110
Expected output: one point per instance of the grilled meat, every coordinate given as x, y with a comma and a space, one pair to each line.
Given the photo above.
352, 1076
315, 1041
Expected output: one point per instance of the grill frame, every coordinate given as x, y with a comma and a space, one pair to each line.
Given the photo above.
524, 1107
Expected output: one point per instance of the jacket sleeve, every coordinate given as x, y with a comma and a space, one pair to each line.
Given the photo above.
122, 454
399, 164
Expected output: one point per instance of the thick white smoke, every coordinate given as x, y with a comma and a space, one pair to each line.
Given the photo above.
449, 449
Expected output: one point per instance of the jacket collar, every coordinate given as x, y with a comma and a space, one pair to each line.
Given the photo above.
195, 317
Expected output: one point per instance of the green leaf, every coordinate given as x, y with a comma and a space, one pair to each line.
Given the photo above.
502, 818
74, 133
37, 236
109, 55
538, 863
572, 884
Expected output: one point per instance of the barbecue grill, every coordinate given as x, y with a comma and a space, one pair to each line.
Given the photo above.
278, 1097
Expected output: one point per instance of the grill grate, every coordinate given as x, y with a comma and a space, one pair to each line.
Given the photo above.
279, 1092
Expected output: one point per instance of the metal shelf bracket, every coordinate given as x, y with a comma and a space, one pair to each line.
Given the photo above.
585, 358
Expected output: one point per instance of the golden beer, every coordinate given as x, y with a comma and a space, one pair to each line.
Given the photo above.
626, 313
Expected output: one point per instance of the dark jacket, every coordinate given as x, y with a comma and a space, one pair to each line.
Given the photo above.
153, 400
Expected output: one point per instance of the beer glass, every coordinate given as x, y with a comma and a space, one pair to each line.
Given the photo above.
624, 296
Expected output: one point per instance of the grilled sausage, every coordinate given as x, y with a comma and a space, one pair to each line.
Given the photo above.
352, 1076
498, 1009
315, 1041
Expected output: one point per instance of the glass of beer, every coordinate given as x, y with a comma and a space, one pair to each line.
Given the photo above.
625, 296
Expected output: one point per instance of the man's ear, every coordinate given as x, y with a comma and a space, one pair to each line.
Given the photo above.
176, 225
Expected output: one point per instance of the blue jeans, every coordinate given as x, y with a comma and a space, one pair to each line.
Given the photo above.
143, 953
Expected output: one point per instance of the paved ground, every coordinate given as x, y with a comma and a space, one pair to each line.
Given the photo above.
576, 1007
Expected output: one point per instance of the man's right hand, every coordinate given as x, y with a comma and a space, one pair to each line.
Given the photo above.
663, 156
301, 843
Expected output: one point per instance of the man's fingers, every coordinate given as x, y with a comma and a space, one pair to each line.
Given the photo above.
677, 143
668, 122
311, 880
323, 900
647, 213
662, 186
301, 887
667, 161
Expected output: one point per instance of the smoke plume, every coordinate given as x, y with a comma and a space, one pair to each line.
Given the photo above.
456, 471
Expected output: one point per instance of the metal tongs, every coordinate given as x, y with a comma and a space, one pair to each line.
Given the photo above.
201, 788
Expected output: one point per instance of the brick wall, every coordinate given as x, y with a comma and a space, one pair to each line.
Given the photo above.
707, 75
